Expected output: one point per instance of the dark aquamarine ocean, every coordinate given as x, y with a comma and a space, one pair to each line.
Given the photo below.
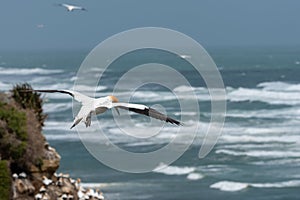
256, 157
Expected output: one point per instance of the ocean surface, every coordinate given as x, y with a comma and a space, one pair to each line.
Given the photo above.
256, 157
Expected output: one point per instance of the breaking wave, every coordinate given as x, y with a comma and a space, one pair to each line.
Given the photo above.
260, 154
173, 170
28, 71
231, 186
274, 93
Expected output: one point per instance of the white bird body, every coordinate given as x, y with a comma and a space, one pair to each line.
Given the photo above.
97, 106
185, 56
43, 189
23, 175
38, 196
70, 7
80, 194
46, 181
15, 176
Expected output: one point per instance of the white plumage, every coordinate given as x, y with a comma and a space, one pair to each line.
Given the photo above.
97, 106
70, 7
46, 181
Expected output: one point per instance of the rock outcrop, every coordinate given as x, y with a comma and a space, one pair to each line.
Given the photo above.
29, 163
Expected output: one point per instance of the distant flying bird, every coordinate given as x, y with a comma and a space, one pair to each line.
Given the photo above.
185, 56
40, 26
97, 106
70, 7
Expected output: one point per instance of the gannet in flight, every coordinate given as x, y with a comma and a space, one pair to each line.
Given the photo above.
100, 105
71, 7
185, 56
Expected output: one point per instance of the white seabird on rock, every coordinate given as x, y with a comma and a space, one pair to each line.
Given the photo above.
70, 197
38, 196
43, 189
80, 194
15, 176
46, 181
64, 197
23, 175
99, 195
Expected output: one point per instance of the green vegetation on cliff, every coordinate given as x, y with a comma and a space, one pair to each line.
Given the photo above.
23, 148
21, 121
24, 95
5, 180
13, 136
21, 141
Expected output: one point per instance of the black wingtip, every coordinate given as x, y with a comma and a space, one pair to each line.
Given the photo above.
53, 91
73, 126
173, 121
27, 91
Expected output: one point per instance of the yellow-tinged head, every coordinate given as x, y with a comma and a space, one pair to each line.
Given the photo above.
113, 99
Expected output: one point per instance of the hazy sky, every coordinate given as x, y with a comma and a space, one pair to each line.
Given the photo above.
39, 24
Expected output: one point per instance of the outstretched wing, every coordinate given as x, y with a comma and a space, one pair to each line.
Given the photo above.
76, 95
70, 7
85, 114
145, 110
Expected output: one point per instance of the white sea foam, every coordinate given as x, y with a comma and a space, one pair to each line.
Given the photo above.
114, 133
283, 113
41, 80
279, 86
194, 176
123, 185
273, 86
185, 113
143, 94
280, 161
147, 96
201, 93
215, 169
55, 125
134, 144
286, 130
284, 184
89, 88
173, 170
155, 135
246, 146
184, 88
269, 92
4, 86
56, 107
256, 138
66, 137
27, 71
98, 69
261, 153
90, 135
271, 97
231, 186
295, 88
95, 185
101, 185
